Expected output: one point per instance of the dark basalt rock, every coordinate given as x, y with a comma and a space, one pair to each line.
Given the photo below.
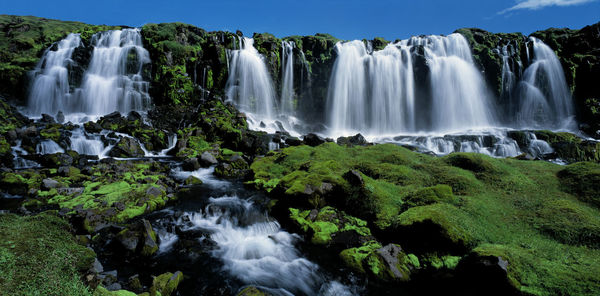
357, 139
190, 164
126, 148
47, 119
313, 140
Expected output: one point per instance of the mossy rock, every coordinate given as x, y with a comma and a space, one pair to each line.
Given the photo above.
166, 283
387, 263
582, 179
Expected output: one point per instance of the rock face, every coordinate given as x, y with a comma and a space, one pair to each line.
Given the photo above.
126, 148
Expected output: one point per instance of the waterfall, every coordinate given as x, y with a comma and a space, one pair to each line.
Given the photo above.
511, 71
89, 145
460, 99
50, 90
374, 93
113, 81
249, 84
287, 74
544, 97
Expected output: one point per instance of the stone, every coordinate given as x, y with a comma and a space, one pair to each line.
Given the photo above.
92, 127
190, 164
97, 266
191, 180
47, 119
353, 177
207, 159
149, 238
127, 148
60, 117
75, 191
293, 141
154, 192
166, 283
49, 183
356, 140
313, 140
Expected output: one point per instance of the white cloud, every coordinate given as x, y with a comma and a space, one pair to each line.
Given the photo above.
538, 4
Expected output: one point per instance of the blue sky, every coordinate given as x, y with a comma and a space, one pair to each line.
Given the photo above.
347, 19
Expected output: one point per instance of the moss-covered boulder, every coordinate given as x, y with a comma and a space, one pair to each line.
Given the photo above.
166, 283
127, 148
388, 263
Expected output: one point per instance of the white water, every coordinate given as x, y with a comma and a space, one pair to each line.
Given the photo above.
48, 147
374, 93
544, 97
249, 84
112, 82
108, 84
18, 161
50, 91
287, 74
86, 144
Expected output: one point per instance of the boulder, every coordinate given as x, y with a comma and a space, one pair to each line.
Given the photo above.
60, 117
127, 148
190, 164
207, 159
92, 127
166, 283
313, 140
56, 160
149, 238
49, 184
356, 140
47, 119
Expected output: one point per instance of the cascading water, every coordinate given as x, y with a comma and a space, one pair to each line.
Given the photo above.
113, 81
460, 99
287, 74
544, 97
50, 91
48, 147
251, 247
375, 93
249, 84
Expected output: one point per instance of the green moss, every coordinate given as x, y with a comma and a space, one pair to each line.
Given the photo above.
166, 283
582, 179
328, 222
101, 291
39, 256
453, 205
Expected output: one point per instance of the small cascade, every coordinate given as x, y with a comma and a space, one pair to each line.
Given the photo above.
494, 143
113, 81
537, 148
249, 85
50, 90
287, 74
18, 161
87, 144
374, 93
48, 147
544, 97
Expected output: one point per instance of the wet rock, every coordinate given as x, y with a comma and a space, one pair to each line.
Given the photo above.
97, 266
207, 159
166, 283
60, 117
252, 291
293, 141
49, 183
92, 127
135, 284
191, 180
356, 140
150, 239
133, 116
114, 287
390, 255
190, 164
129, 239
313, 140
126, 148
56, 160
486, 274
47, 119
